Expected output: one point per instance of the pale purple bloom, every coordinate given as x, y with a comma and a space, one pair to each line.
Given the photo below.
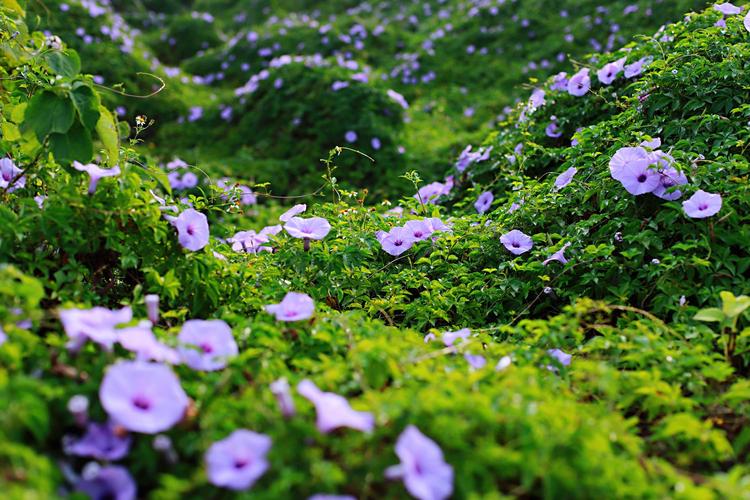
537, 98
624, 157
398, 98
423, 469
247, 197
143, 397
97, 324
484, 202
429, 337
635, 69
250, 242
109, 482
560, 82
78, 406
206, 344
293, 307
189, 180
314, 228
436, 224
565, 178
292, 212
152, 307
375, 143
95, 173
746, 21
450, 338
553, 130
669, 177
610, 71
516, 242
562, 357
3, 336
397, 241
702, 205
503, 363
418, 229
142, 341
8, 172
192, 229
652, 144
101, 441
477, 361
280, 389
727, 9
580, 83
237, 461
638, 178
350, 136
559, 256
431, 192
333, 411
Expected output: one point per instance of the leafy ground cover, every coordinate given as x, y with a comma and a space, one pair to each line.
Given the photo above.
556, 309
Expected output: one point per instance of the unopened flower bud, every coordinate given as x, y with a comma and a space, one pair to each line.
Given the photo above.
152, 307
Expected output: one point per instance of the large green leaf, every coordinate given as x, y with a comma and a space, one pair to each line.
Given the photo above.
76, 145
108, 132
49, 113
14, 5
66, 64
86, 103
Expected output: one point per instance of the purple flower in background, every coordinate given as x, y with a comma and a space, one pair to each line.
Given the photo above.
398, 98
418, 229
109, 482
560, 82
559, 256
189, 180
293, 307
484, 202
727, 9
637, 177
436, 224
3, 337
333, 411
580, 83
375, 143
553, 130
423, 469
503, 363
397, 241
350, 136
669, 177
8, 172
142, 397
610, 71
237, 461
516, 242
431, 192
450, 338
537, 98
561, 357
314, 228
97, 324
192, 229
635, 69
101, 441
292, 212
702, 205
565, 178
624, 157
283, 393
476, 361
652, 144
95, 173
142, 341
152, 307
206, 344
746, 21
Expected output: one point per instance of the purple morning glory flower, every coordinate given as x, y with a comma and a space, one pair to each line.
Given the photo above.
436, 224
314, 228
516, 242
537, 98
250, 242
610, 71
553, 130
189, 180
727, 9
95, 173
503, 363
109, 482
398, 98
396, 241
333, 411
669, 177
8, 172
559, 256
637, 177
292, 212
746, 21
560, 82
635, 69
418, 230
350, 136
423, 469
702, 205
431, 192
476, 361
623, 157
237, 461
294, 307
565, 178
580, 83
281, 390
450, 338
97, 324
101, 441
562, 357
142, 397
192, 229
206, 344
152, 307
484, 202
142, 341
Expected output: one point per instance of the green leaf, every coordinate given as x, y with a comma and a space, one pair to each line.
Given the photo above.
86, 103
108, 132
76, 145
13, 5
66, 64
734, 306
49, 113
710, 314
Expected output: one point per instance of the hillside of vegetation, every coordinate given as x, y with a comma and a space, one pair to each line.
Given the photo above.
230, 289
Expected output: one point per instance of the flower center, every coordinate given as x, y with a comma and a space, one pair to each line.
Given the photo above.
241, 463
702, 206
142, 403
207, 348
290, 313
398, 243
418, 234
515, 244
190, 230
642, 178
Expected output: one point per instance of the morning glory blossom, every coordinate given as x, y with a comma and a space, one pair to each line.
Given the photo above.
580, 83
206, 344
746, 21
101, 441
559, 256
292, 212
516, 242
109, 482
8, 172
313, 228
702, 205
97, 324
565, 178
142, 341
423, 469
237, 461
484, 202
623, 157
450, 338
95, 173
396, 241
610, 71
293, 307
418, 229
333, 410
142, 397
669, 177
280, 388
192, 229
727, 9
637, 177
560, 356
476, 361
